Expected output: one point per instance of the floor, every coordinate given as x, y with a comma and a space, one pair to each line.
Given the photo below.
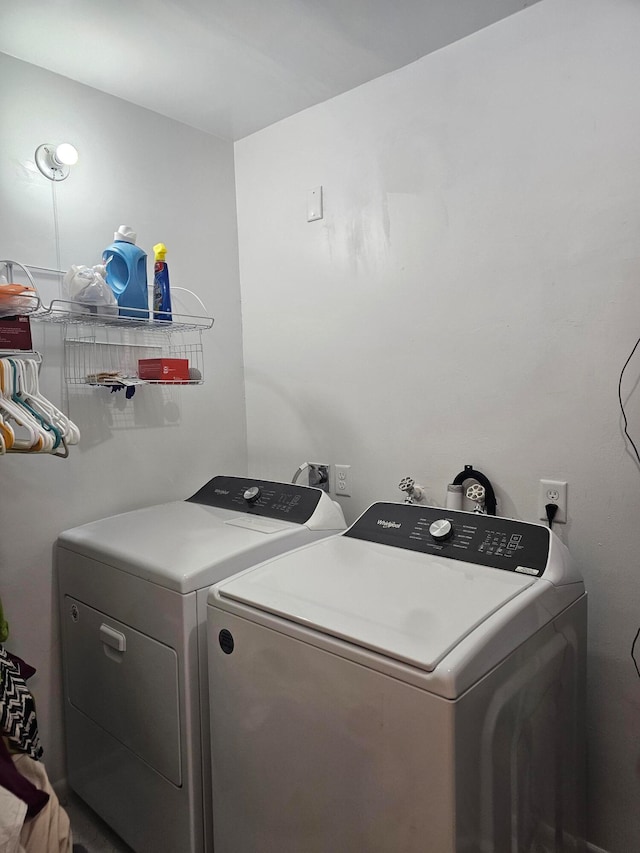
89, 830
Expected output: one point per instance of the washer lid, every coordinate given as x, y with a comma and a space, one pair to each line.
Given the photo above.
408, 606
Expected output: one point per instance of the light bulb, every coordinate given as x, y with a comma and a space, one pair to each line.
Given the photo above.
66, 154
54, 161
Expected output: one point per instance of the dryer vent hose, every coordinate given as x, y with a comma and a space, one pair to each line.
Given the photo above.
299, 471
470, 473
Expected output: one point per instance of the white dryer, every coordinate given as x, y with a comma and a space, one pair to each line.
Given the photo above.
133, 594
413, 685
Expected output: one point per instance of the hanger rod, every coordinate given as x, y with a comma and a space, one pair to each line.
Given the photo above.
46, 269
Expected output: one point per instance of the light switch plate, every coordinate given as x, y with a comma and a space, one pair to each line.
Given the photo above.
314, 204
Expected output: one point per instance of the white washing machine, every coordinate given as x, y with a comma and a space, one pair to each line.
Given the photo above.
133, 592
413, 685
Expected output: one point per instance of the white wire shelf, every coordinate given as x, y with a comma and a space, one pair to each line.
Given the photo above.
67, 312
101, 347
111, 356
74, 313
29, 354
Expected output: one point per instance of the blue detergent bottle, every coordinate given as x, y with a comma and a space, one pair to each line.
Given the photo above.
127, 273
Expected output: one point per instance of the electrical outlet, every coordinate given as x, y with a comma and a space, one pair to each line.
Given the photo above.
342, 480
553, 492
319, 475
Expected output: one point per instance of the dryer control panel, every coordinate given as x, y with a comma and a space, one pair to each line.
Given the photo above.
285, 501
488, 540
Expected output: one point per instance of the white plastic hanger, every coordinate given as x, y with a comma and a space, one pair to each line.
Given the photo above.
6, 433
37, 440
47, 429
30, 389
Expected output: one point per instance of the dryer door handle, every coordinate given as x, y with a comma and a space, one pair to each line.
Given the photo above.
113, 638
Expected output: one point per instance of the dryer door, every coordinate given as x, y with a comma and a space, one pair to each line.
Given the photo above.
116, 675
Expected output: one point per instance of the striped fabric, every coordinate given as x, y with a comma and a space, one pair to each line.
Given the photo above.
18, 721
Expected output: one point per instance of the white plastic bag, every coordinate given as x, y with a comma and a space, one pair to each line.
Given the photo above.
16, 298
87, 286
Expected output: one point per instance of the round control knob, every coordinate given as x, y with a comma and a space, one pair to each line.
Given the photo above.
252, 494
441, 529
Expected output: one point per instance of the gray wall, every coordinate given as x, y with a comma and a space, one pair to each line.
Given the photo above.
470, 297
171, 184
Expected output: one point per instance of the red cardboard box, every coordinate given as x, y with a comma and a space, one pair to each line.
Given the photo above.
15, 333
164, 369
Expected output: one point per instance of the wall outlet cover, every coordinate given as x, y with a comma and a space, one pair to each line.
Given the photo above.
553, 492
342, 480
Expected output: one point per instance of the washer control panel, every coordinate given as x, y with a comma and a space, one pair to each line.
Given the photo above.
286, 501
488, 540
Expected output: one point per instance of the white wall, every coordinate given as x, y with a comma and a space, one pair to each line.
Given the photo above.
470, 297
169, 183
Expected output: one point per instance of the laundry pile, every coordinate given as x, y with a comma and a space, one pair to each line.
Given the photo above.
31, 818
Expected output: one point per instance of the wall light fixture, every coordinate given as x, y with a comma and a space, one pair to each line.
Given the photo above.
54, 161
